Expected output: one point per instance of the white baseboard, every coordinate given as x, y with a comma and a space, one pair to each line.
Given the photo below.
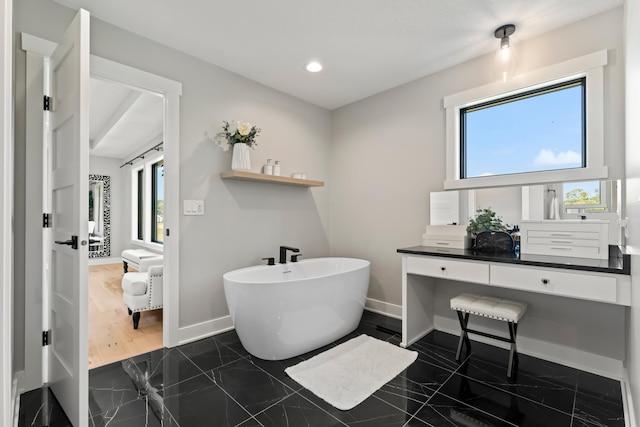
15, 402
627, 401
385, 308
217, 326
205, 329
101, 261
583, 360
19, 376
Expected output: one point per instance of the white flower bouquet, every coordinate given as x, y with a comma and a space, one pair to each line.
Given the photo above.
236, 132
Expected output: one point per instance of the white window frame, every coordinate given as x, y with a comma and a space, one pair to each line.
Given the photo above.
589, 66
146, 166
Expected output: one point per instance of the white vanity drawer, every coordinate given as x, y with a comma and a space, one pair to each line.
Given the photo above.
590, 235
565, 250
575, 285
461, 243
551, 241
446, 268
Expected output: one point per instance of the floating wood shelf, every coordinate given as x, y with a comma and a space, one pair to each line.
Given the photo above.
259, 177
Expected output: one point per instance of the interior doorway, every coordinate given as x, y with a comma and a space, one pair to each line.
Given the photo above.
126, 137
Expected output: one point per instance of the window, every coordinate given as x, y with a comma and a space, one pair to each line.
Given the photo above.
147, 201
538, 130
500, 134
157, 202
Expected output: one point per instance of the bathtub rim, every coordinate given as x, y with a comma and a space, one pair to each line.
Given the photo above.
362, 264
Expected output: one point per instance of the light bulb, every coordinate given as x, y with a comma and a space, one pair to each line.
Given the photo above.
505, 64
314, 67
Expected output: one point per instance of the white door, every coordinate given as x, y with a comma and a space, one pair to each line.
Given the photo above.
69, 178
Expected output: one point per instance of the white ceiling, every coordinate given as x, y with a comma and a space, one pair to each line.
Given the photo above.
122, 120
366, 46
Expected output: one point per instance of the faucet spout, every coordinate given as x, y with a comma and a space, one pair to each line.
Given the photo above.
283, 253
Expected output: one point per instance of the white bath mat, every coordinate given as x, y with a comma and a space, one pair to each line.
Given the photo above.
347, 374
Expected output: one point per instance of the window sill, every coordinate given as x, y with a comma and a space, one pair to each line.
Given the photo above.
532, 178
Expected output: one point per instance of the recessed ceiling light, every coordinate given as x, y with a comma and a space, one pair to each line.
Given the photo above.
314, 67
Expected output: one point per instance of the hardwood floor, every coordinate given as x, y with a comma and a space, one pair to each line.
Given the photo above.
111, 333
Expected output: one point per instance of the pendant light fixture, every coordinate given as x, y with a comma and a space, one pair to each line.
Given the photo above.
506, 60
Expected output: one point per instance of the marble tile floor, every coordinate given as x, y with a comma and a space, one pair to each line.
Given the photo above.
215, 382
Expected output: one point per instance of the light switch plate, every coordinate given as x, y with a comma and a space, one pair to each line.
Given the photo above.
193, 207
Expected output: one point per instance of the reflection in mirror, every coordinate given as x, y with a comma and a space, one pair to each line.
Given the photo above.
99, 216
592, 200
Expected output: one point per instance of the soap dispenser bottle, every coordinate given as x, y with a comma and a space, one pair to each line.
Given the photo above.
268, 168
276, 168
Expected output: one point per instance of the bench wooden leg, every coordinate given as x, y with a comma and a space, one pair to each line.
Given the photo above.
464, 337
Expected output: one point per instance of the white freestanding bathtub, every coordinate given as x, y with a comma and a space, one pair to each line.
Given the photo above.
284, 310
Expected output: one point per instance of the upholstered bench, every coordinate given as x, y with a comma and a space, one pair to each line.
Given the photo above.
140, 259
494, 308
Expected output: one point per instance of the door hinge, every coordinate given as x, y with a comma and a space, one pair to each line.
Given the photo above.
46, 220
167, 232
47, 103
46, 338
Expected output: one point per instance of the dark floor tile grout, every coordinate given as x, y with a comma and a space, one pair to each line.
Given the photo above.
468, 359
453, 374
322, 409
516, 394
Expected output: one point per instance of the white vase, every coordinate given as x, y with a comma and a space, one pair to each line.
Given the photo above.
240, 160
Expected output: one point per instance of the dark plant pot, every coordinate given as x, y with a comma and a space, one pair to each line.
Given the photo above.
494, 241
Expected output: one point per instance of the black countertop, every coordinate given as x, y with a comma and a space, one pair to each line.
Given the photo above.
618, 262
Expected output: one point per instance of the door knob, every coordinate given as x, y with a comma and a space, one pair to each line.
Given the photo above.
73, 242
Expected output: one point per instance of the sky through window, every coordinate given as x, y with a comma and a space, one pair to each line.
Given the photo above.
536, 133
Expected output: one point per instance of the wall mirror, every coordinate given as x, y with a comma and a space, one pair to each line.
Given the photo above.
99, 216
591, 200
595, 200
573, 200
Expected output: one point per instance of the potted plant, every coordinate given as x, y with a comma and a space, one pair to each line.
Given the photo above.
489, 233
485, 220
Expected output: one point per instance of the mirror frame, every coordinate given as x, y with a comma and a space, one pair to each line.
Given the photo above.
106, 215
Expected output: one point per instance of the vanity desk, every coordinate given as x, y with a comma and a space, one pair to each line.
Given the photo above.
605, 281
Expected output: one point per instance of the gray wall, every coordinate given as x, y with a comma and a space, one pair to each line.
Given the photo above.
389, 149
389, 153
632, 60
243, 222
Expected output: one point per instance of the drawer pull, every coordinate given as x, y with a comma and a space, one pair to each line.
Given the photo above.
442, 243
561, 234
561, 241
545, 281
443, 268
562, 248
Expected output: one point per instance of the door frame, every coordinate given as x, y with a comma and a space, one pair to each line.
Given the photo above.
171, 91
8, 382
